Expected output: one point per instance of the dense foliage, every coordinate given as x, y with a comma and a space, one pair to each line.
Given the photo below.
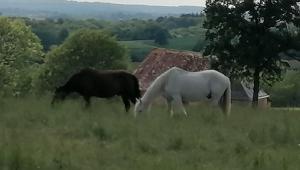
20, 56
54, 32
184, 21
247, 37
50, 32
140, 30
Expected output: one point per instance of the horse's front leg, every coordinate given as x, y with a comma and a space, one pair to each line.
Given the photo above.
126, 103
178, 102
170, 109
169, 104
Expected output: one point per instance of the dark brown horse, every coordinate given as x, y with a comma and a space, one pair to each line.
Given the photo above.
104, 84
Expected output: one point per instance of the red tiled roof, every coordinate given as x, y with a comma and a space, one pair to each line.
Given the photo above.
159, 60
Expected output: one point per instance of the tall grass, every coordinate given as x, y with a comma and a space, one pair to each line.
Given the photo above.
34, 135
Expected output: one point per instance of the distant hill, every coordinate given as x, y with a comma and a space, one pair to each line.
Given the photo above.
40, 9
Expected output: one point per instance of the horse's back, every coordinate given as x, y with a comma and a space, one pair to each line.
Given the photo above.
211, 78
195, 85
205, 73
176, 74
104, 83
127, 83
213, 75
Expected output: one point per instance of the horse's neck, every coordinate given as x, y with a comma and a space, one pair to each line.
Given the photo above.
154, 90
151, 94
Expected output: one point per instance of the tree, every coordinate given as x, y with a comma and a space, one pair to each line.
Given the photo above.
161, 37
62, 35
84, 48
294, 53
200, 45
248, 35
20, 54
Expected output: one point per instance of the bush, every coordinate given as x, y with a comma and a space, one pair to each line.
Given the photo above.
287, 92
20, 55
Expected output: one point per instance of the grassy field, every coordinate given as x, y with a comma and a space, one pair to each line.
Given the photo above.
35, 136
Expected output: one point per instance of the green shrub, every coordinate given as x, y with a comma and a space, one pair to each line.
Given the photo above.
287, 92
20, 55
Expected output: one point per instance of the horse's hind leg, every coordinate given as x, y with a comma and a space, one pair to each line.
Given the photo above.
126, 103
216, 99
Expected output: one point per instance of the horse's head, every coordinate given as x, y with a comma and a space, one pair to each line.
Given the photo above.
59, 95
140, 107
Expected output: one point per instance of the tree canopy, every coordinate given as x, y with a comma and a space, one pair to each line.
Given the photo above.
20, 53
54, 31
247, 37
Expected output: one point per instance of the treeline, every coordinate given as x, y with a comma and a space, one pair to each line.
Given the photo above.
54, 32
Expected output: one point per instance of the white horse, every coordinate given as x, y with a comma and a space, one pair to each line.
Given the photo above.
179, 86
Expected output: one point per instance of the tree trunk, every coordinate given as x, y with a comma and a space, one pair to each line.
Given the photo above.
256, 80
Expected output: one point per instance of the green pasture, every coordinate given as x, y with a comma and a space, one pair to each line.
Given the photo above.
139, 49
36, 136
180, 43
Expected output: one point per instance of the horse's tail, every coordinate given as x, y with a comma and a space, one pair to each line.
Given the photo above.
226, 101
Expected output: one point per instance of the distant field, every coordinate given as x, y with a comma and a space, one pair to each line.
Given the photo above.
140, 48
287, 108
185, 43
35, 136
139, 44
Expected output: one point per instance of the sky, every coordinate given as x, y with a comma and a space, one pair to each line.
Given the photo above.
153, 2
